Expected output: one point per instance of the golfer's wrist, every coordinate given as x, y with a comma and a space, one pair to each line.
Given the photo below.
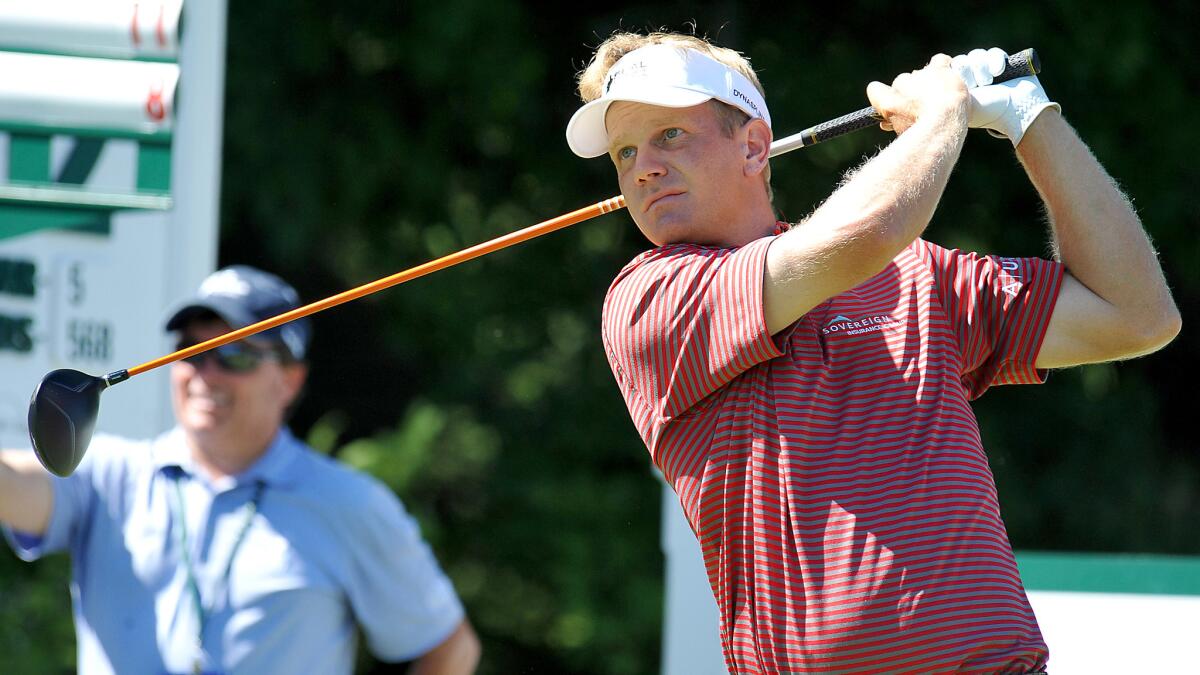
1045, 120
950, 122
1048, 123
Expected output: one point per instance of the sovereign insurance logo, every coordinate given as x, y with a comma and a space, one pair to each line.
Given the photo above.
869, 324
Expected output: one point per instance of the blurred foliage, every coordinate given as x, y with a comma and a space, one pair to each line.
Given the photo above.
362, 138
35, 612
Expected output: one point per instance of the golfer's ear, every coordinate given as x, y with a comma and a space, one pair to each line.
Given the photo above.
758, 146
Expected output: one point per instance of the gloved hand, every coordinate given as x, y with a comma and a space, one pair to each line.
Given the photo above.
1006, 109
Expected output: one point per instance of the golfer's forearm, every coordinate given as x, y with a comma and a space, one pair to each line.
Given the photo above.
891, 198
880, 209
26, 497
1097, 234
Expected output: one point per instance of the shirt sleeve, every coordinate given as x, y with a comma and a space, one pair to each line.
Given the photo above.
400, 597
999, 309
682, 321
74, 498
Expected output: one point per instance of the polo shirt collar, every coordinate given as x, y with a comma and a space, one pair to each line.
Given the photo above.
171, 452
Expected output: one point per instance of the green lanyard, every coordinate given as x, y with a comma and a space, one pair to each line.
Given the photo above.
179, 514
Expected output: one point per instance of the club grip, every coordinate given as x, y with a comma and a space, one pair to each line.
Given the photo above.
1021, 64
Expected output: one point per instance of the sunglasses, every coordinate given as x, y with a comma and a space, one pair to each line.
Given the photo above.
236, 357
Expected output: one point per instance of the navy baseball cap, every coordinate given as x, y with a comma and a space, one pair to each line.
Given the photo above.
242, 295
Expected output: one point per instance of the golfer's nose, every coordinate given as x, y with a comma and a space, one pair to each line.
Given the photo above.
648, 164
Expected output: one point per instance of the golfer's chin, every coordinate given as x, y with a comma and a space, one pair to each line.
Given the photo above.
667, 228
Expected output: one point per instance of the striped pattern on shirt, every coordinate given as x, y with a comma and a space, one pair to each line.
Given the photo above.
834, 473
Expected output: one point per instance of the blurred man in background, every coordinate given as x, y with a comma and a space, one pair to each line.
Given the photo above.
805, 389
226, 544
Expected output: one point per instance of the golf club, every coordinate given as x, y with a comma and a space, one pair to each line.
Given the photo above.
63, 409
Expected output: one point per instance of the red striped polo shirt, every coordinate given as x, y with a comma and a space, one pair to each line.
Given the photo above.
834, 473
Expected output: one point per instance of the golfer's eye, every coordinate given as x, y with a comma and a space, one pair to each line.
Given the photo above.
672, 133
626, 152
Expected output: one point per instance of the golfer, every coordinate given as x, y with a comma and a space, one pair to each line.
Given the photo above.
804, 387
227, 545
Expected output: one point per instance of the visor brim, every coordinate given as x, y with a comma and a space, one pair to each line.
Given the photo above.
587, 132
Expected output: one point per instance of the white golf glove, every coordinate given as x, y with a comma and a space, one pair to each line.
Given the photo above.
1006, 109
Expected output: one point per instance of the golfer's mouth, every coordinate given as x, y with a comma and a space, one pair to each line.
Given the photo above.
662, 198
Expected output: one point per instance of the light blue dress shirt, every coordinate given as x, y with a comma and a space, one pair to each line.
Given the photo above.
327, 548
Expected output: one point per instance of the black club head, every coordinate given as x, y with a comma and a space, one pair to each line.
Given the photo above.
62, 415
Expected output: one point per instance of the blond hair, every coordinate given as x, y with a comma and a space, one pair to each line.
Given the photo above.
591, 79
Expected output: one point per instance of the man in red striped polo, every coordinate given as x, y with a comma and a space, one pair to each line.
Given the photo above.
805, 388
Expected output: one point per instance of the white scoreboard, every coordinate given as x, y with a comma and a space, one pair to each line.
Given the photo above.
109, 187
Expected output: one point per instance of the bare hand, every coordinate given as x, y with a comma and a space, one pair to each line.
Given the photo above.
933, 91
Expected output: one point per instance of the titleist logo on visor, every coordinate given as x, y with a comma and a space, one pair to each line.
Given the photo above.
638, 68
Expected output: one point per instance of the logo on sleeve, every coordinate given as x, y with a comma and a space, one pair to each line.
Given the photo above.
869, 324
1010, 277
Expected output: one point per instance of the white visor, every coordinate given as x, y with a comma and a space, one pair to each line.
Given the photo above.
667, 75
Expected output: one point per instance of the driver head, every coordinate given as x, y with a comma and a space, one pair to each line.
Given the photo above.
62, 415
